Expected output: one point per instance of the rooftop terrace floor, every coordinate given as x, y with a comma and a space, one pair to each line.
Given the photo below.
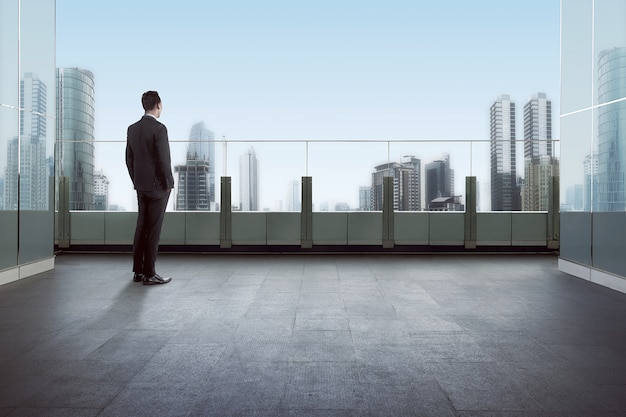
312, 335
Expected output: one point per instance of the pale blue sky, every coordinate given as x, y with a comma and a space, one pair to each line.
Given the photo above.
313, 69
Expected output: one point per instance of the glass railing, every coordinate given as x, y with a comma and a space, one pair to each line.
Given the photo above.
346, 175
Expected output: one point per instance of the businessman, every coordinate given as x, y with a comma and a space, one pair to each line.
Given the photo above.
150, 168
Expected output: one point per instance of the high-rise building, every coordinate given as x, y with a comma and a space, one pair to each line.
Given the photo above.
365, 198
539, 163
406, 184
439, 179
28, 151
505, 194
75, 134
195, 190
34, 101
294, 196
101, 191
611, 192
248, 181
202, 148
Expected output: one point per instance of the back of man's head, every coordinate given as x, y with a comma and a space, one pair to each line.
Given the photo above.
149, 100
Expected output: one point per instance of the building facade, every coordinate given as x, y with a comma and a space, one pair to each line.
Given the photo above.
101, 191
406, 184
540, 165
75, 134
505, 194
439, 180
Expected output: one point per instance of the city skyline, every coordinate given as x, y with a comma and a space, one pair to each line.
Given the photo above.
269, 72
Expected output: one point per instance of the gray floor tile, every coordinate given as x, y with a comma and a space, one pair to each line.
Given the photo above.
332, 336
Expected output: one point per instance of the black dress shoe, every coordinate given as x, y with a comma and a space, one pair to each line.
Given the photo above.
155, 280
138, 277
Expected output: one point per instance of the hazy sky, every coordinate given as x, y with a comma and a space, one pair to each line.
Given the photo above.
311, 70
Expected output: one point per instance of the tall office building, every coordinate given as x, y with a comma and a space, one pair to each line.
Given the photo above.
365, 198
195, 190
406, 184
75, 134
294, 196
504, 189
439, 181
539, 163
248, 181
28, 151
101, 191
611, 191
202, 148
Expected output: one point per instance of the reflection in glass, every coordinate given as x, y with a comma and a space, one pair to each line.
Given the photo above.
26, 153
612, 130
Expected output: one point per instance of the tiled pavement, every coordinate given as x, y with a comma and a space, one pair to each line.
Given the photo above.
312, 335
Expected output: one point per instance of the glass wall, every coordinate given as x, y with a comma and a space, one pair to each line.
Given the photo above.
593, 133
27, 124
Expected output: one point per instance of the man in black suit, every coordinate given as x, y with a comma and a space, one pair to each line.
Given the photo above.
149, 165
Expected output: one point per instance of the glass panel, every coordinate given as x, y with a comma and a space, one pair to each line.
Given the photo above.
9, 127
342, 173
442, 168
37, 128
610, 50
576, 52
480, 164
610, 145
265, 176
578, 163
113, 189
8, 52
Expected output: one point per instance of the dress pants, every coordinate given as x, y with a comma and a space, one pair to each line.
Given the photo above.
152, 206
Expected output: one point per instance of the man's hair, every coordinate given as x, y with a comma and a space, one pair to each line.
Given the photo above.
149, 100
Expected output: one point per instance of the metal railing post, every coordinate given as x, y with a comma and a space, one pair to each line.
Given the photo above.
554, 221
388, 225
225, 214
63, 218
306, 214
470, 213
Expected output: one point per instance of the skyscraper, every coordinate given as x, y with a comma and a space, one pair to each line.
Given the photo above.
28, 151
611, 191
294, 196
439, 181
101, 191
75, 134
202, 148
195, 190
504, 190
406, 184
539, 164
365, 198
248, 181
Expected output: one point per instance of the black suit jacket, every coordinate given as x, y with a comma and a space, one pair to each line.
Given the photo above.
148, 155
